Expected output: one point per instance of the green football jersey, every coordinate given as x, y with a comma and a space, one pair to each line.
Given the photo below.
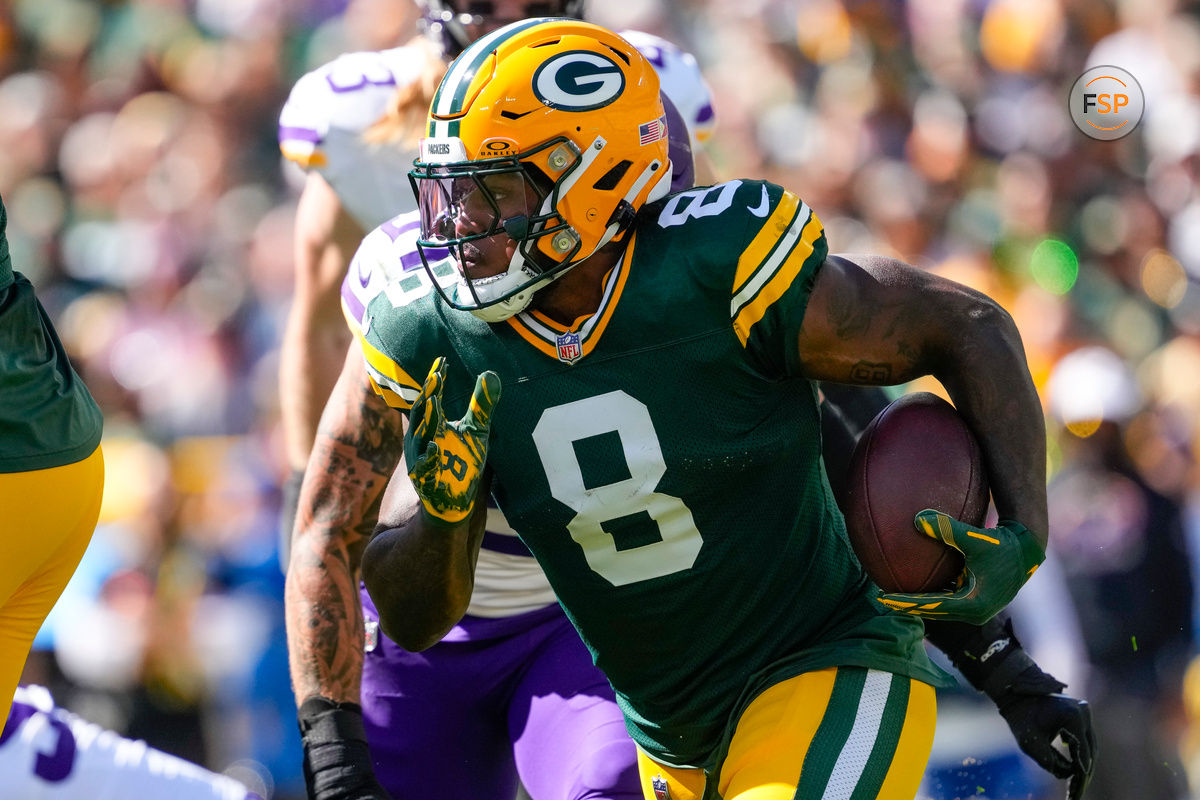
663, 462
47, 416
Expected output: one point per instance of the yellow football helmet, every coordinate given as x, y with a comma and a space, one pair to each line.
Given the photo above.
574, 111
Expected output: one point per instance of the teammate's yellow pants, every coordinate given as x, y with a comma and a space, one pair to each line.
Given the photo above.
46, 521
843, 733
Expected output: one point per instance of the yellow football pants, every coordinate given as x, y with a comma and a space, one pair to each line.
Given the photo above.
843, 733
46, 521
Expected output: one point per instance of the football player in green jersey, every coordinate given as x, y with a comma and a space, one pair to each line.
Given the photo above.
51, 469
643, 411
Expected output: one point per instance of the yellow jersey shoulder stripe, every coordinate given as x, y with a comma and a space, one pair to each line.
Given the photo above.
780, 271
393, 393
391, 398
391, 382
764, 242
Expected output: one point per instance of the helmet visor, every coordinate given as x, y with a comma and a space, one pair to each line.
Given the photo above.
469, 202
482, 214
494, 216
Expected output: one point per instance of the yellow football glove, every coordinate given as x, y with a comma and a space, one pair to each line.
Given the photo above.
998, 561
445, 459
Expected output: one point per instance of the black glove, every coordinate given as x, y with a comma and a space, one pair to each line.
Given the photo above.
1030, 700
337, 764
1039, 715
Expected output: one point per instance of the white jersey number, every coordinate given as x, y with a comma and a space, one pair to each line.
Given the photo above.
555, 436
697, 203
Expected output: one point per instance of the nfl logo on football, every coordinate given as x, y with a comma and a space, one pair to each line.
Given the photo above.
569, 349
659, 784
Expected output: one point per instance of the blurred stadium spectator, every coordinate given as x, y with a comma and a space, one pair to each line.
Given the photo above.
1123, 548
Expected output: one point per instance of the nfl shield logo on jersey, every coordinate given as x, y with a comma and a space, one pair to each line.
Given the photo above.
372, 635
659, 784
569, 349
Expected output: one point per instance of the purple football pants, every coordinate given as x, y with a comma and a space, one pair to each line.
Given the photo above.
521, 698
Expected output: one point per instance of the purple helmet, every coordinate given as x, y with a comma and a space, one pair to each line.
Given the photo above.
454, 27
679, 142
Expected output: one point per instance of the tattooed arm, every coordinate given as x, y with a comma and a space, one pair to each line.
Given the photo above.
359, 442
874, 320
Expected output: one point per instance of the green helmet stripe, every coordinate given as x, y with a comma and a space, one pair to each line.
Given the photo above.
441, 128
452, 91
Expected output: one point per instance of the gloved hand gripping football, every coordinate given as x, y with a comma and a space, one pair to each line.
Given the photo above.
446, 459
998, 561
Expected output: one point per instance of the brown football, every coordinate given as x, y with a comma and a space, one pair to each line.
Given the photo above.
917, 453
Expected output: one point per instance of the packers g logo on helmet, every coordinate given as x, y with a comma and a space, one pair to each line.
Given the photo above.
581, 108
578, 81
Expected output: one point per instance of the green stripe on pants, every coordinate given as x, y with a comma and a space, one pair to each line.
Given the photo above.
832, 734
890, 728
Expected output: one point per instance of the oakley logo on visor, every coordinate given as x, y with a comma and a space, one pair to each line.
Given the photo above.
578, 81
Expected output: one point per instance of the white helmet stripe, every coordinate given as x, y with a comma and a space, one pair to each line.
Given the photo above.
467, 63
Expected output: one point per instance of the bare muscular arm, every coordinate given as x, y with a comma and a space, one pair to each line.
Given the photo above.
419, 575
358, 446
315, 338
875, 320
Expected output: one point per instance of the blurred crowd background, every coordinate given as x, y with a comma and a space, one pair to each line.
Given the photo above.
150, 207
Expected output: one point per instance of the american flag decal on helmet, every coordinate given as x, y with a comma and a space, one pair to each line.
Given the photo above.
652, 131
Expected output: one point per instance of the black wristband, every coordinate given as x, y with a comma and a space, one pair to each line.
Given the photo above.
990, 656
323, 720
337, 761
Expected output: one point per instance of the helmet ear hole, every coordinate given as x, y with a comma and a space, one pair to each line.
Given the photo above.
609, 180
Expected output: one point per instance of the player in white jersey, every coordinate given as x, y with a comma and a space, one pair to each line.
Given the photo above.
511, 691
48, 753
